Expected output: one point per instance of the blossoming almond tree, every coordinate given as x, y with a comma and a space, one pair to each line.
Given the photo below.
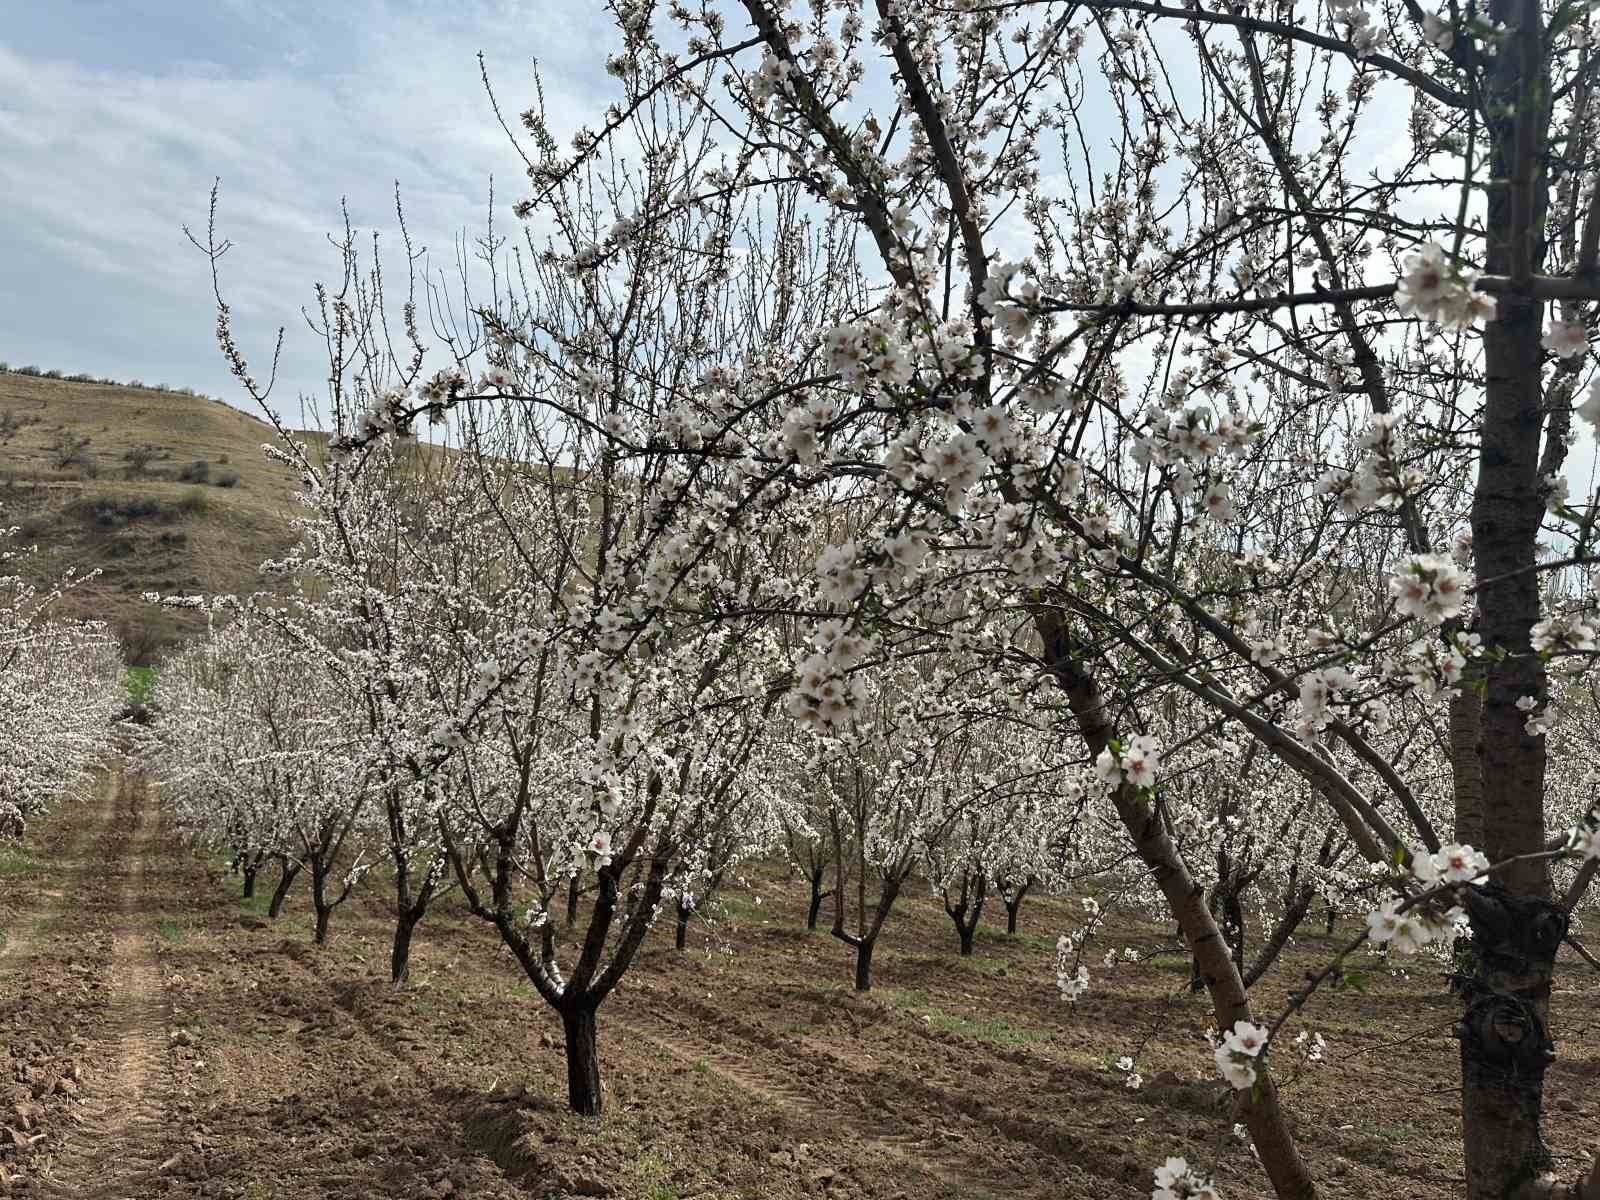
578, 724
1111, 389
1187, 405
60, 691
254, 745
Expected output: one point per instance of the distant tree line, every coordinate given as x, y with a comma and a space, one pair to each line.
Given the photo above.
105, 380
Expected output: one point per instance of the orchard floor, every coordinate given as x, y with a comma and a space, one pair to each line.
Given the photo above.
162, 1038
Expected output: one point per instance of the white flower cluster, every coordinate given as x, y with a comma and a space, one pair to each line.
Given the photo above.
1455, 863
1589, 410
1319, 691
1311, 1047
1380, 479
1359, 29
1431, 666
826, 694
1437, 30
1437, 290
1013, 313
1411, 929
1563, 634
1409, 925
1131, 1079
1071, 984
1072, 977
1177, 1180
1238, 1053
1136, 763
1189, 442
1430, 587
868, 353
1567, 339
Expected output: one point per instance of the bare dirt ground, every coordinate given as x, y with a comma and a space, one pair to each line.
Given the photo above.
162, 1038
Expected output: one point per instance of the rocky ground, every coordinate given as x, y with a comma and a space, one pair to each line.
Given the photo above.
160, 1037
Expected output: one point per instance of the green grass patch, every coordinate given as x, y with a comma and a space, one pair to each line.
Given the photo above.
654, 1174
987, 963
140, 682
15, 861
993, 1029
172, 931
909, 998
1002, 1033
738, 908
257, 904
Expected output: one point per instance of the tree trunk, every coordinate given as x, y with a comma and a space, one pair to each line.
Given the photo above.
967, 912
285, 880
1233, 928
1013, 903
319, 902
583, 1060
681, 934
400, 956
1505, 1040
1505, 1044
572, 902
864, 964
1466, 711
249, 880
818, 895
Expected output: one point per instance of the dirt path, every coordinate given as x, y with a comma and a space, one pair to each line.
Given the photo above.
116, 1152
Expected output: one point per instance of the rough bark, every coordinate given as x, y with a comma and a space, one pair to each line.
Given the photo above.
320, 902
864, 964
967, 911
579, 1026
1466, 712
1013, 903
818, 894
572, 902
287, 874
1505, 1038
1505, 1041
400, 954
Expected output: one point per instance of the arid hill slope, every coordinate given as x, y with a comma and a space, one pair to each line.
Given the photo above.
160, 490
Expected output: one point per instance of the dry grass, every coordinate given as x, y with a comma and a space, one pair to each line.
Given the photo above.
167, 525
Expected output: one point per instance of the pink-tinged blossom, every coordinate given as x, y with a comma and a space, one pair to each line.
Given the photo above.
1429, 587
1566, 339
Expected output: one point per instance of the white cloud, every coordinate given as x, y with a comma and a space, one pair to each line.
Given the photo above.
103, 164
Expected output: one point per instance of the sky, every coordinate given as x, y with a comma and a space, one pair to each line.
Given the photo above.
117, 115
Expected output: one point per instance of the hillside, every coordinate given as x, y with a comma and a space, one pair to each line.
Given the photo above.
162, 491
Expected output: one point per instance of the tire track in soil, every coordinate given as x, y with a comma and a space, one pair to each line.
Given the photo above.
875, 1132
62, 848
116, 1151
905, 1099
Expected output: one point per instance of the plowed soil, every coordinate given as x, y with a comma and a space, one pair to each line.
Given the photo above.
161, 1037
